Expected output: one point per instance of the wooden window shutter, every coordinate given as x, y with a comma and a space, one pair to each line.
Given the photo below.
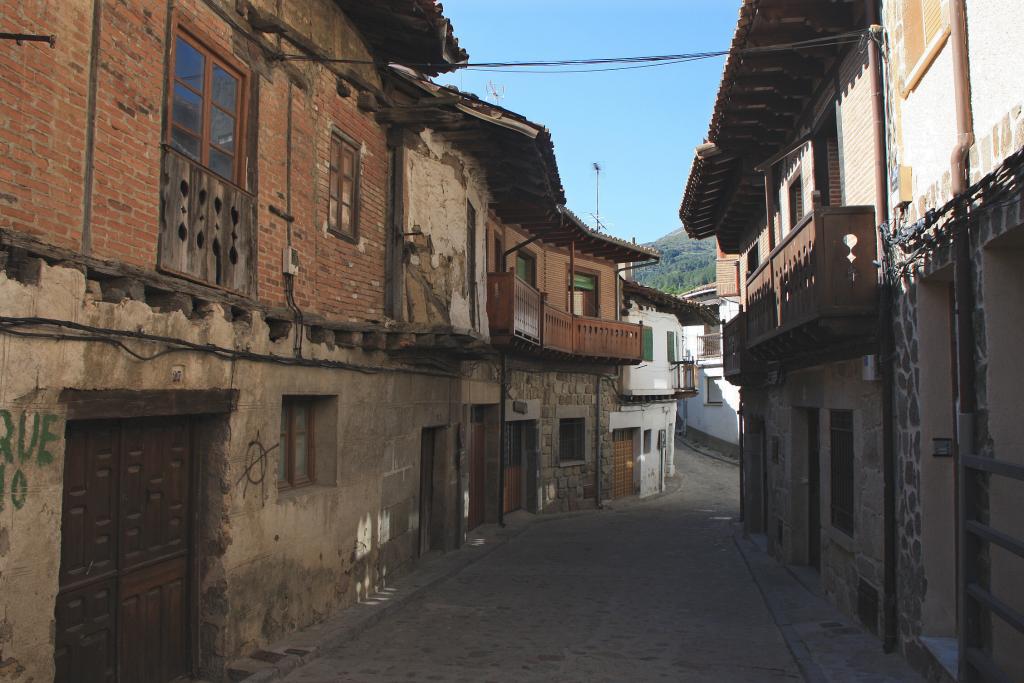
931, 11
913, 33
648, 348
671, 340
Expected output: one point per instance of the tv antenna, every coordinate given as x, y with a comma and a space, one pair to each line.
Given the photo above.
597, 191
496, 91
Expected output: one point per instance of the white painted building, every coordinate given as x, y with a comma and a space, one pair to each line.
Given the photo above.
648, 392
711, 417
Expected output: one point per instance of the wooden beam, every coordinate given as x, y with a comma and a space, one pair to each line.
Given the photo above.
96, 405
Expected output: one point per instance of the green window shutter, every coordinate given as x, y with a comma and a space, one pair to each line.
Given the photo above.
586, 283
671, 347
648, 344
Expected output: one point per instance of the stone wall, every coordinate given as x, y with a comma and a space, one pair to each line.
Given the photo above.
568, 393
994, 225
845, 559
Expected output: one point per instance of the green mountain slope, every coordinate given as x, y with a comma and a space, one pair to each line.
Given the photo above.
685, 263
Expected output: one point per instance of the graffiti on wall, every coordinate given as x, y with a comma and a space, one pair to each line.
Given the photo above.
24, 438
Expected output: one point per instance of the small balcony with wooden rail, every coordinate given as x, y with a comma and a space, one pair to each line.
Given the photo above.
814, 298
521, 319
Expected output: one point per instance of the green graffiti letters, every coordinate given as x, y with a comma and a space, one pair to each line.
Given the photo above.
30, 442
19, 489
26, 453
45, 457
5, 442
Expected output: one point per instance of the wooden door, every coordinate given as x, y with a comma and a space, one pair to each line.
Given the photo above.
122, 606
477, 479
813, 491
622, 463
426, 487
514, 466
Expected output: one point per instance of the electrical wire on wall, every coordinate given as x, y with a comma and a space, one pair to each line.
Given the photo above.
63, 330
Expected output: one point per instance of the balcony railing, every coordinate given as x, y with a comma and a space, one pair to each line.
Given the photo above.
709, 346
519, 315
685, 380
207, 226
738, 365
823, 272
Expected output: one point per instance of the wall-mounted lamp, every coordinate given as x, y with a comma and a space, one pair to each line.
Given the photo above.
942, 447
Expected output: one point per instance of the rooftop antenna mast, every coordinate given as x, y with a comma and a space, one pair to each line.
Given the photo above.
597, 190
496, 91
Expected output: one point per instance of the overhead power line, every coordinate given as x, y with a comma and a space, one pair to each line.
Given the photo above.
598, 64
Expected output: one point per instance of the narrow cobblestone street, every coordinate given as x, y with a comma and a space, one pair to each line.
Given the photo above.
649, 590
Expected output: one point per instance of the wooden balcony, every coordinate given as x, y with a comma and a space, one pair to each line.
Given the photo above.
818, 289
685, 380
520, 318
739, 366
207, 226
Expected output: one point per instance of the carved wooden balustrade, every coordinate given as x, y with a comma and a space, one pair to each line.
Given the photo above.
207, 226
817, 288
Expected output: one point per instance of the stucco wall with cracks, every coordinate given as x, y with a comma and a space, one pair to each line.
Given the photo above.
272, 561
441, 181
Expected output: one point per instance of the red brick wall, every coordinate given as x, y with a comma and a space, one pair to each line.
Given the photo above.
43, 118
43, 95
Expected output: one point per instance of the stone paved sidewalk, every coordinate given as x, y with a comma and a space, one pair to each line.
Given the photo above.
827, 645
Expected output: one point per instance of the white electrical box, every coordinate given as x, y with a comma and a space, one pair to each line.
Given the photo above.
869, 369
290, 261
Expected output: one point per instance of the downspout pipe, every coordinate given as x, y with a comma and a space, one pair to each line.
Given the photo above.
597, 442
886, 342
502, 440
963, 293
961, 170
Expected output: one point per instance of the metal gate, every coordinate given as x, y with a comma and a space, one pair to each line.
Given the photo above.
514, 467
622, 463
976, 598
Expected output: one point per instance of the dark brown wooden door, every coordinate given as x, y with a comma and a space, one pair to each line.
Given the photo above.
813, 491
426, 487
514, 467
622, 463
477, 472
122, 607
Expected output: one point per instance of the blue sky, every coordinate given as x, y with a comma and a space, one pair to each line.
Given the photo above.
641, 124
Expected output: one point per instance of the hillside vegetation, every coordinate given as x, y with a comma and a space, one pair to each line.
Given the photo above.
685, 263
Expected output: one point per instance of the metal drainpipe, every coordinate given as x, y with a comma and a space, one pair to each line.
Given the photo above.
742, 427
960, 167
886, 341
964, 298
597, 441
502, 442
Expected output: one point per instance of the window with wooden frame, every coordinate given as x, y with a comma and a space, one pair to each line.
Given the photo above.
584, 294
498, 265
925, 27
206, 121
572, 439
296, 464
712, 392
842, 469
343, 192
796, 201
526, 267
